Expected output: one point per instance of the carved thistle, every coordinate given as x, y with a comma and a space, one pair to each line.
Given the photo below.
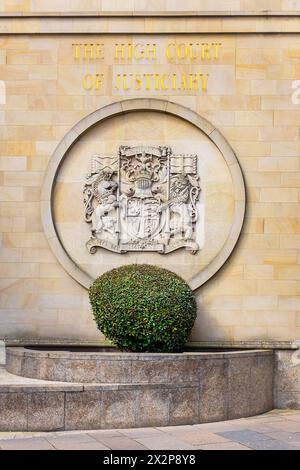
145, 199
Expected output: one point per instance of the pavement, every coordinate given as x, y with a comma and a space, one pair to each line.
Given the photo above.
276, 430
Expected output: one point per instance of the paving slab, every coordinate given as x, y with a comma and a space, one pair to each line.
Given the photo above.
141, 432
224, 446
120, 443
260, 428
34, 443
271, 444
293, 417
287, 425
244, 435
82, 437
293, 438
164, 443
277, 430
200, 437
104, 433
65, 445
220, 426
257, 441
175, 429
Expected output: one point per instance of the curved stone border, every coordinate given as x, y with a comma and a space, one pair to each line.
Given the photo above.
120, 367
172, 389
131, 105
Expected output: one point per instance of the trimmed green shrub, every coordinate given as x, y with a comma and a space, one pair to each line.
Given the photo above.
143, 308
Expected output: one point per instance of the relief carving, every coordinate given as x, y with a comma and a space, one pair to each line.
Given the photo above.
145, 199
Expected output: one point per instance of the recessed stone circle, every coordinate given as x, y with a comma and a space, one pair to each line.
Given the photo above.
134, 105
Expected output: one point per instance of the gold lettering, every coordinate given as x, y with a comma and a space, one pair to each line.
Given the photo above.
151, 51
99, 80
156, 78
193, 81
88, 81
138, 51
119, 51
204, 79
99, 51
169, 55
76, 50
125, 87
162, 82
118, 82
183, 82
182, 51
148, 81
138, 82
205, 50
217, 46
129, 51
88, 51
174, 81
193, 53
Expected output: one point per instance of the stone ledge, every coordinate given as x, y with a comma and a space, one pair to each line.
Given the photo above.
41, 388
129, 368
131, 356
268, 24
137, 13
257, 344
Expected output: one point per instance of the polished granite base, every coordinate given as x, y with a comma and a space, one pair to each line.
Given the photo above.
122, 390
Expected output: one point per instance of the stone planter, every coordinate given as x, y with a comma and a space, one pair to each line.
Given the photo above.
115, 390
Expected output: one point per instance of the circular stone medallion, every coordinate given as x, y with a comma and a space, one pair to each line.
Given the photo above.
143, 181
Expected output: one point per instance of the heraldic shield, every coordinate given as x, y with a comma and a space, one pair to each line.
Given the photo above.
143, 199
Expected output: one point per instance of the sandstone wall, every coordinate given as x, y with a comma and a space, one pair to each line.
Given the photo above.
255, 296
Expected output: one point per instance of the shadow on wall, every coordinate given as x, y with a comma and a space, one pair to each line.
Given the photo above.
206, 326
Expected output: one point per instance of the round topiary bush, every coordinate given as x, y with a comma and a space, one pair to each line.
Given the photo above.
143, 308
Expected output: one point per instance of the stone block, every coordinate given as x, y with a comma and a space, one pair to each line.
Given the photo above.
261, 384
184, 406
287, 379
285, 399
30, 367
52, 369
11, 194
81, 371
279, 195
286, 371
83, 410
213, 390
13, 411
143, 371
46, 411
114, 371
118, 408
13, 363
184, 370
239, 376
153, 407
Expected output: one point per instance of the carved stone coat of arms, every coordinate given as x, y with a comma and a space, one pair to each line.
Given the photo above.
143, 199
